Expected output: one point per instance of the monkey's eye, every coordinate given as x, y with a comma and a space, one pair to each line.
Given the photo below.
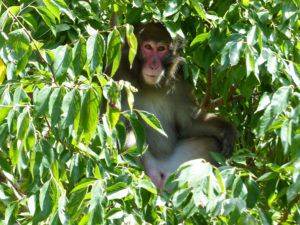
161, 48
147, 46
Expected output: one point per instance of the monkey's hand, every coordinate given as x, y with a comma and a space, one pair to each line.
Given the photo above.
229, 135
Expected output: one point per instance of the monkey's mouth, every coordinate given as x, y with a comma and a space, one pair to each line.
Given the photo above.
150, 78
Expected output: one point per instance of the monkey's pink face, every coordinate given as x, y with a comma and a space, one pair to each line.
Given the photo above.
153, 53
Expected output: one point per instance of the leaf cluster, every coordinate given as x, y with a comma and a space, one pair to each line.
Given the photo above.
61, 118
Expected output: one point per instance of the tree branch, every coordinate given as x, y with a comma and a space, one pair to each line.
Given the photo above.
209, 104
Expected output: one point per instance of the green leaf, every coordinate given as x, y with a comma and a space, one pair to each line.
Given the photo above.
138, 129
113, 115
48, 154
130, 97
200, 39
3, 133
95, 48
85, 183
10, 213
48, 17
251, 36
117, 191
42, 101
293, 191
89, 114
239, 189
280, 100
53, 8
114, 50
69, 103
253, 193
62, 59
45, 199
121, 130
63, 216
180, 197
55, 106
22, 125
200, 10
263, 102
152, 121
147, 185
235, 52
18, 42
23, 62
286, 136
79, 56
3, 113
30, 137
264, 122
96, 210
76, 168
172, 7
292, 71
64, 8
19, 95
2, 68
268, 176
132, 43
190, 172
272, 64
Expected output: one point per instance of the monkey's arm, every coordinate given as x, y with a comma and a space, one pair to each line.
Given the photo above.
210, 125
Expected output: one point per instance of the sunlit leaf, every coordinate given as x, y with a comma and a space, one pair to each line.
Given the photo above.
132, 43
272, 64
2, 71
53, 8
22, 125
10, 213
89, 114
114, 50
235, 52
280, 100
151, 120
62, 59
18, 42
172, 7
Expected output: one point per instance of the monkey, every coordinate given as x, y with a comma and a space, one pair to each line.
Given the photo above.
157, 74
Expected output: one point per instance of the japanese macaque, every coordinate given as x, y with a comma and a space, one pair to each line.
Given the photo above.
162, 91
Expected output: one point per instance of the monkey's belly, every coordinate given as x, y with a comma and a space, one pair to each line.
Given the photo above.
159, 170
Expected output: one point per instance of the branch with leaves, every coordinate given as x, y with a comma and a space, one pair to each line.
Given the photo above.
208, 103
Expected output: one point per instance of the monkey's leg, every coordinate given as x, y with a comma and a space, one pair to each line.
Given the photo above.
159, 170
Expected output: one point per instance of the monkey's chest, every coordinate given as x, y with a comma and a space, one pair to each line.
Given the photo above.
163, 109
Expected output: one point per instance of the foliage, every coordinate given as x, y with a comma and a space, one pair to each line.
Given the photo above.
58, 158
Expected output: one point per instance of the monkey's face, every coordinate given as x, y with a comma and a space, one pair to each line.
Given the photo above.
153, 53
